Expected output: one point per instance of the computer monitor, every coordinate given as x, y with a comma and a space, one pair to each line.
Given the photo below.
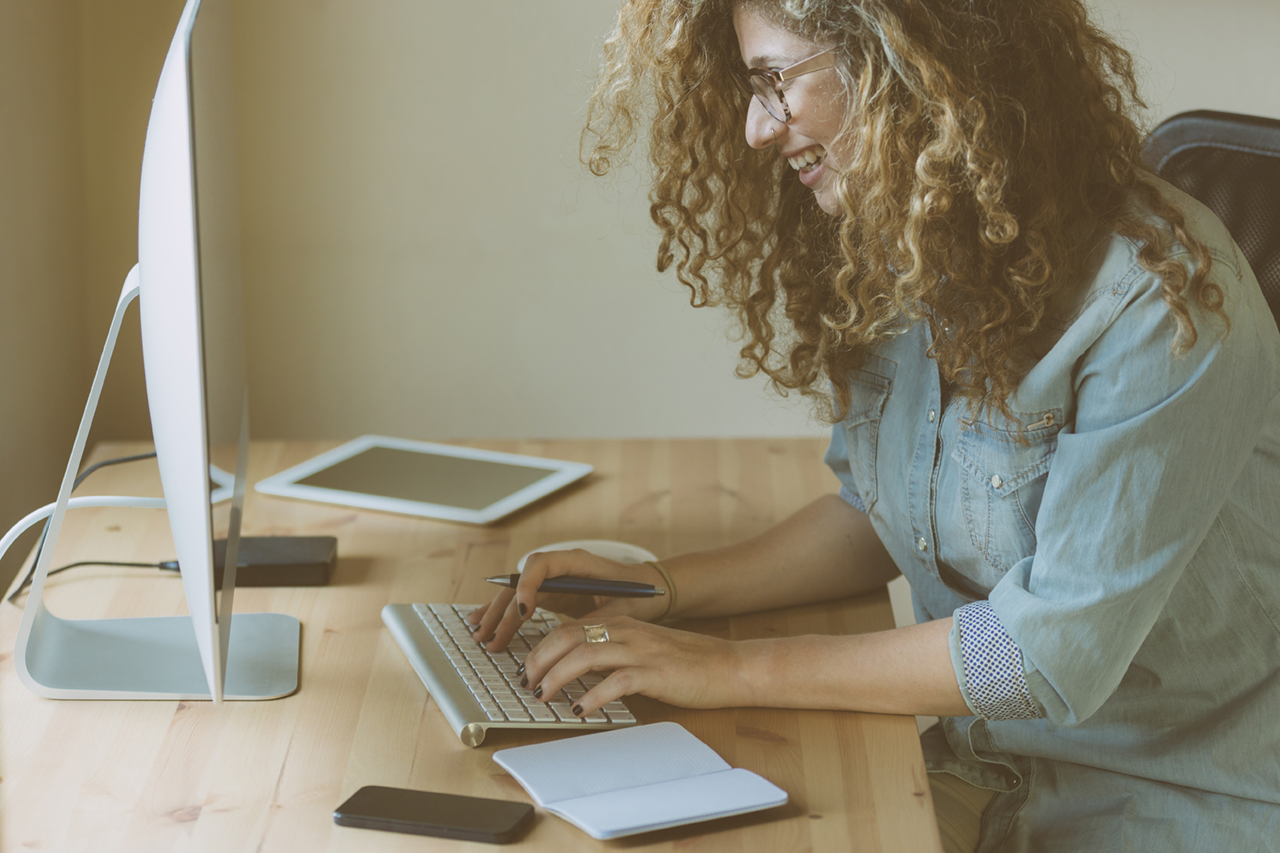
193, 348
188, 281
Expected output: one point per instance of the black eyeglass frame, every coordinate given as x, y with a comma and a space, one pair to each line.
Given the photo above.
759, 82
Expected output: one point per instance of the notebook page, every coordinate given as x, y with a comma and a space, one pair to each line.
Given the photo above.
673, 803
608, 761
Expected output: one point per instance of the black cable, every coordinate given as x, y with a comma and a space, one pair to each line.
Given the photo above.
26, 582
168, 565
94, 467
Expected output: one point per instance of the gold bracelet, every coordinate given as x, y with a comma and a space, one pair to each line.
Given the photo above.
671, 588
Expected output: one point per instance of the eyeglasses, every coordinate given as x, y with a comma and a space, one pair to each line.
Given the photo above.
767, 84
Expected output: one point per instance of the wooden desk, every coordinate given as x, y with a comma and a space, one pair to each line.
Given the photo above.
266, 776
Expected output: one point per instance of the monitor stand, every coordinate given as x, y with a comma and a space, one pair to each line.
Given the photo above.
139, 658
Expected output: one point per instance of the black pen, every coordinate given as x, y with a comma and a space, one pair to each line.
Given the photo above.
586, 586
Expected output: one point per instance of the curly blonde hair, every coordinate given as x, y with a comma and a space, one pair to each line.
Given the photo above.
992, 141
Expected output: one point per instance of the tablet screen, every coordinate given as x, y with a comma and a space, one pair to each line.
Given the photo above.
427, 477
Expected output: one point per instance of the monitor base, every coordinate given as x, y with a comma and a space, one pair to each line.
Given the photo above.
157, 658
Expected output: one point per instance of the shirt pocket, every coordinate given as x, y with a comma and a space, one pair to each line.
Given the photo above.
1003, 483
869, 388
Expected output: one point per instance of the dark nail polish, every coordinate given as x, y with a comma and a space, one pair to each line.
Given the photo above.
524, 681
524, 611
537, 694
577, 710
520, 671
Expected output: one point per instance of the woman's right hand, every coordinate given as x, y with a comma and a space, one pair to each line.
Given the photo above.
495, 623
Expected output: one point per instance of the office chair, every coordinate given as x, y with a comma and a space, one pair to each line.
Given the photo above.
1231, 164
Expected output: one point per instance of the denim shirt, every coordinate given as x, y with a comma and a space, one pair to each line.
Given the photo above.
1115, 577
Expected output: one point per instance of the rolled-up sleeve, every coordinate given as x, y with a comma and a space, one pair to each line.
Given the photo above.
1133, 489
989, 666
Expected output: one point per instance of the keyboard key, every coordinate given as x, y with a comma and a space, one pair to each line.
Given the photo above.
595, 717
542, 714
621, 717
564, 712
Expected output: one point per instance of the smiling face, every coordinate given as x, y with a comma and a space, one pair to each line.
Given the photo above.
816, 101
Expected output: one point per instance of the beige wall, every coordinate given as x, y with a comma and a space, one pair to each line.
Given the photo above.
122, 48
427, 258
42, 384
1197, 55
424, 255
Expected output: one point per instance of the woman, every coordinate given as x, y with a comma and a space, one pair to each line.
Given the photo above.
1053, 384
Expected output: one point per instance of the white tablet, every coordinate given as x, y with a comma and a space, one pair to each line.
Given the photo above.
420, 478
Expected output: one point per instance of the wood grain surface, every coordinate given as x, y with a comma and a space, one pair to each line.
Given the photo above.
266, 776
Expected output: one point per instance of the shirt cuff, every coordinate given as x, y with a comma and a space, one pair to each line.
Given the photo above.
990, 666
852, 499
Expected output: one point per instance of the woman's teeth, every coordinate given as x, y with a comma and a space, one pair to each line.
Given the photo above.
807, 159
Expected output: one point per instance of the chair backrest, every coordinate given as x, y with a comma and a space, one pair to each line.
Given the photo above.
1231, 164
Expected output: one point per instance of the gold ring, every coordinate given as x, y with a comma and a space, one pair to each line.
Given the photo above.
596, 633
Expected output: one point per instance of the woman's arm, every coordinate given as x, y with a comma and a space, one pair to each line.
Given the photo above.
903, 671
827, 550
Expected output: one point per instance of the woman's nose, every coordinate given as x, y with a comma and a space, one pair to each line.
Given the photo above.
762, 128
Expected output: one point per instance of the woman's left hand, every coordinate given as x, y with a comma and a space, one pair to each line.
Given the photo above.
677, 667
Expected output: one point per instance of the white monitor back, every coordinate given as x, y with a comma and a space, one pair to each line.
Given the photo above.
191, 311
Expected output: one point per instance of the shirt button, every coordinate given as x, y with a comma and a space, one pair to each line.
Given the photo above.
932, 415
921, 544
996, 482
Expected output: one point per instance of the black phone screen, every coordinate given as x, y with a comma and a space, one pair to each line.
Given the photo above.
431, 813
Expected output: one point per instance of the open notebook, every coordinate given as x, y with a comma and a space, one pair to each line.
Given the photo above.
635, 780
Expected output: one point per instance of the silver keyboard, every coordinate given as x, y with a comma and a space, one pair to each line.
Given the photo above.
476, 690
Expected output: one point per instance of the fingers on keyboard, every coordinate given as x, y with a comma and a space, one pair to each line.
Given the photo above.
493, 677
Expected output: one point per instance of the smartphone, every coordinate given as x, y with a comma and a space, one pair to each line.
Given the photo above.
432, 813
